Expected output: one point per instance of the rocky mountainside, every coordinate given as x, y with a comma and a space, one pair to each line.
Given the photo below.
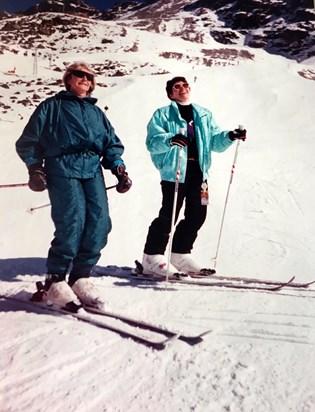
63, 6
285, 27
134, 39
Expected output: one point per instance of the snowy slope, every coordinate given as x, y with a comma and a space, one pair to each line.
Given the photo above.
260, 356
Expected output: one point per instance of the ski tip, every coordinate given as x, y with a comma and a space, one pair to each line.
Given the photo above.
205, 333
306, 285
163, 345
194, 340
282, 285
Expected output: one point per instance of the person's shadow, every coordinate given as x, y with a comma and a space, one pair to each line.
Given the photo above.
11, 268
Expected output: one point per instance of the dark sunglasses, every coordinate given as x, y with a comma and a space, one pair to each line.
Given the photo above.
178, 86
80, 74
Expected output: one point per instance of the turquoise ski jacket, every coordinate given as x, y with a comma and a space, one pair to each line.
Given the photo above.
71, 135
165, 123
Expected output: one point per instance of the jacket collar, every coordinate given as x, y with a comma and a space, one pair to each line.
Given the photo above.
198, 110
65, 95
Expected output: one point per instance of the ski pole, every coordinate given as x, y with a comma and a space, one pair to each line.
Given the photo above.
182, 131
32, 209
227, 197
110, 187
13, 185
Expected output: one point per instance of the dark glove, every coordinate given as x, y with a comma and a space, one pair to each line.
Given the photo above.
179, 140
238, 134
37, 180
124, 182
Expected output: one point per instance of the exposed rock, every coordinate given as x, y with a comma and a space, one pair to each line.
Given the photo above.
285, 27
225, 36
288, 27
63, 6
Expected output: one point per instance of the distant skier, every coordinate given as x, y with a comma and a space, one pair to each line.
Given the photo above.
65, 143
164, 141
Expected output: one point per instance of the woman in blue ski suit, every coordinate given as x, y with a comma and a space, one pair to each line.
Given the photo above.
65, 143
189, 130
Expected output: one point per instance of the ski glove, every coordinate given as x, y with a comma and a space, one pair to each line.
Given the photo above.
179, 140
37, 178
124, 182
238, 134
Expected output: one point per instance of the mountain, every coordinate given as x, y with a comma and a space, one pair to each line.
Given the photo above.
72, 7
279, 26
201, 38
285, 27
58, 38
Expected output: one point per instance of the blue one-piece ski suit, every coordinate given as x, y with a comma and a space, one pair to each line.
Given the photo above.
73, 138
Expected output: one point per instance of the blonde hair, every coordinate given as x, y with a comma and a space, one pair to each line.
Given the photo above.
80, 65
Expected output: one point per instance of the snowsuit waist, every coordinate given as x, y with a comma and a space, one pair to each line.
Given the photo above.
82, 165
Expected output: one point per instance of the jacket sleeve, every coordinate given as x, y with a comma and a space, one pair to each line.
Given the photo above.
28, 146
112, 147
157, 141
219, 139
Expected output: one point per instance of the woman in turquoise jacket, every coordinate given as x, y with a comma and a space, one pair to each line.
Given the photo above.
166, 122
65, 143
180, 139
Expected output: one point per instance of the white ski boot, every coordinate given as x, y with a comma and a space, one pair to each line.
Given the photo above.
183, 262
60, 295
157, 265
88, 293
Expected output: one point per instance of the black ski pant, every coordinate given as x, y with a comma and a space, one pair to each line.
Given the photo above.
186, 230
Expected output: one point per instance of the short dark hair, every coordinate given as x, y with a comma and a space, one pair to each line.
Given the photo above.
170, 84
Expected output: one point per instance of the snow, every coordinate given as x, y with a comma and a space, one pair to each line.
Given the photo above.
260, 356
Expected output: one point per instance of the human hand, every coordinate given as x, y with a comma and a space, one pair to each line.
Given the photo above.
239, 134
124, 182
37, 178
179, 140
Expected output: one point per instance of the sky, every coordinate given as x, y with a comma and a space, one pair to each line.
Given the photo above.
12, 6
260, 355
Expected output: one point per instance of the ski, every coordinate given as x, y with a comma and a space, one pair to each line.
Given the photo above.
190, 340
154, 344
253, 280
217, 282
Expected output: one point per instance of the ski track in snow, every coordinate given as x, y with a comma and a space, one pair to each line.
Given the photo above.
99, 360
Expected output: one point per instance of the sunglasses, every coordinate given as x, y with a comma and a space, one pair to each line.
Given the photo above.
80, 74
178, 86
